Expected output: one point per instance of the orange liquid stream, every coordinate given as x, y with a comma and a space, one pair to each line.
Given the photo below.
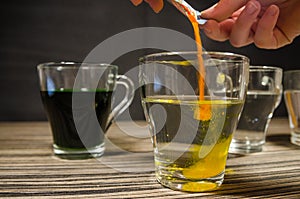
201, 70
203, 112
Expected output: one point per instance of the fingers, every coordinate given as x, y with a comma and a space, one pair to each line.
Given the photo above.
244, 22
218, 31
223, 9
156, 5
264, 34
241, 33
136, 2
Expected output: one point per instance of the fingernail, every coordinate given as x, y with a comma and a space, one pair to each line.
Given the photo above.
272, 11
251, 8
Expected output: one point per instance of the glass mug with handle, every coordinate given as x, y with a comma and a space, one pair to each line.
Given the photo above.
263, 97
78, 98
191, 126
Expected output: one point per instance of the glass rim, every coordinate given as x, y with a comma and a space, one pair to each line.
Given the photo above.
160, 54
265, 68
74, 65
291, 71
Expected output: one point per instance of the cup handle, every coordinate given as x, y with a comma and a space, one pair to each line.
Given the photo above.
125, 103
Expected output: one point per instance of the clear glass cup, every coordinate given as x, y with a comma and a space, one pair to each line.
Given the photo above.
263, 97
191, 123
291, 86
78, 98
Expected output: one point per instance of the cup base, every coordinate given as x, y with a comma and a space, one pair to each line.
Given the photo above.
79, 153
295, 138
189, 185
245, 146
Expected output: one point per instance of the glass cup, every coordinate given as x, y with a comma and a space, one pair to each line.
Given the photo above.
291, 84
78, 98
263, 96
192, 114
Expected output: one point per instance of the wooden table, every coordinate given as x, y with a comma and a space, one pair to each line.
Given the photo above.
28, 168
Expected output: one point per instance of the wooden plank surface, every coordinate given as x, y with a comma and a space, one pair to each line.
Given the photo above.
29, 170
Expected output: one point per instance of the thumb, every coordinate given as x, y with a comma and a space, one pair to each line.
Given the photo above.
223, 9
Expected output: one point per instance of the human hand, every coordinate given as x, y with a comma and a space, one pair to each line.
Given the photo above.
269, 24
156, 5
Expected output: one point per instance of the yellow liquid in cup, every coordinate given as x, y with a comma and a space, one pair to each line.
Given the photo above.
189, 152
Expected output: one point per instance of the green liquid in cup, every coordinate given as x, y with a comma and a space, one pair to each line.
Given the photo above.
58, 105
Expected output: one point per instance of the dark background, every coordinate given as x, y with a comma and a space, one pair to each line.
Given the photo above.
36, 31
